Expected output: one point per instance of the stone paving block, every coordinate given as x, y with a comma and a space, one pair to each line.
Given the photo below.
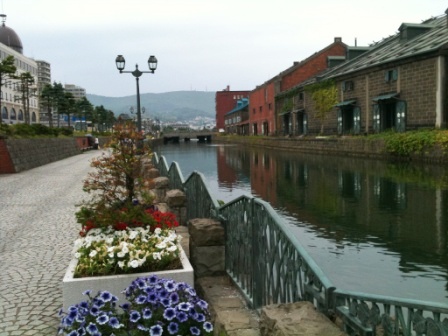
296, 319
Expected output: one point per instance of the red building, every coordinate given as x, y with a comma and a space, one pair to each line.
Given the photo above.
261, 109
225, 101
262, 100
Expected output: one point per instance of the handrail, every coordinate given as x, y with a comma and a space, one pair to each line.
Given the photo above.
270, 266
200, 202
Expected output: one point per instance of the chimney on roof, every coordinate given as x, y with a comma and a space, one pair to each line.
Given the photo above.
337, 39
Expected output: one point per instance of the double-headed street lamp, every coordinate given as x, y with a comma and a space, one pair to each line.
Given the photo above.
152, 64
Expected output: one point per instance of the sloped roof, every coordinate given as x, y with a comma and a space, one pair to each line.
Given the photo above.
394, 48
241, 105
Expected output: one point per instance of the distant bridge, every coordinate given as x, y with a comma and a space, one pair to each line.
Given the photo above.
175, 137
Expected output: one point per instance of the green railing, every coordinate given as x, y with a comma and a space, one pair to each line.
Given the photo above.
200, 203
270, 266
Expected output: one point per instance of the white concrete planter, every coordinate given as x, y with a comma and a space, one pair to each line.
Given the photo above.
72, 288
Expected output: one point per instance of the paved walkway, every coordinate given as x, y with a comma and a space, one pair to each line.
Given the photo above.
37, 230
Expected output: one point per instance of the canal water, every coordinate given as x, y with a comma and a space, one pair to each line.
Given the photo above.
372, 226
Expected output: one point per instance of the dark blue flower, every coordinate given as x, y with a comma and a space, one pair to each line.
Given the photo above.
155, 330
141, 299
182, 316
94, 311
173, 328
170, 286
134, 316
190, 291
169, 314
67, 321
102, 319
185, 306
200, 317
141, 283
87, 292
193, 313
163, 293
174, 298
147, 313
82, 332
92, 328
99, 302
195, 330
166, 302
106, 296
152, 297
208, 327
114, 323
202, 304
153, 279
84, 305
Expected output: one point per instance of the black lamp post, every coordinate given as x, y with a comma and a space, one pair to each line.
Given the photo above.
152, 64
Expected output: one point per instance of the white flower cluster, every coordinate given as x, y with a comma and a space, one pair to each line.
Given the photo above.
128, 249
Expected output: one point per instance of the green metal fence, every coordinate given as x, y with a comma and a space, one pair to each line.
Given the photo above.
270, 266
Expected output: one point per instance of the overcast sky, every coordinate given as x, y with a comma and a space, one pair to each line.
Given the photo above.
201, 45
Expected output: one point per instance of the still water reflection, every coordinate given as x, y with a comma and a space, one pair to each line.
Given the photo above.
371, 226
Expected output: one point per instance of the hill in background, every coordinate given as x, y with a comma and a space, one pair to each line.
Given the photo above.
178, 106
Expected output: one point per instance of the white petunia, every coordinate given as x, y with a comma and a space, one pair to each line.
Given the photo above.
156, 256
121, 254
121, 264
77, 255
93, 253
134, 264
172, 248
161, 245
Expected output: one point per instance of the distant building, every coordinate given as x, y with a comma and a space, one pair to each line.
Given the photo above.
11, 101
43, 78
225, 101
237, 120
77, 91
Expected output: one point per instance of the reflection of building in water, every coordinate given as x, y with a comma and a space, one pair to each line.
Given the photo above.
366, 205
226, 175
233, 166
263, 175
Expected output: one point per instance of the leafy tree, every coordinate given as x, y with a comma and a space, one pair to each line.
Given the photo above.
7, 71
67, 105
84, 109
104, 118
26, 90
117, 179
47, 96
325, 97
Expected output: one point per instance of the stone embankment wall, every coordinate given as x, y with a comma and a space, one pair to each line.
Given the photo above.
344, 146
17, 155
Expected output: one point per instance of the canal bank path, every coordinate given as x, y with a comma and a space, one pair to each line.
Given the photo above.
37, 231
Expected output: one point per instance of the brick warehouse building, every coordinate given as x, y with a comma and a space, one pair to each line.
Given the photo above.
399, 83
225, 101
262, 116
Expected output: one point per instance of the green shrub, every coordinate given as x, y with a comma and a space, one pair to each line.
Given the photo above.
65, 131
413, 142
23, 130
